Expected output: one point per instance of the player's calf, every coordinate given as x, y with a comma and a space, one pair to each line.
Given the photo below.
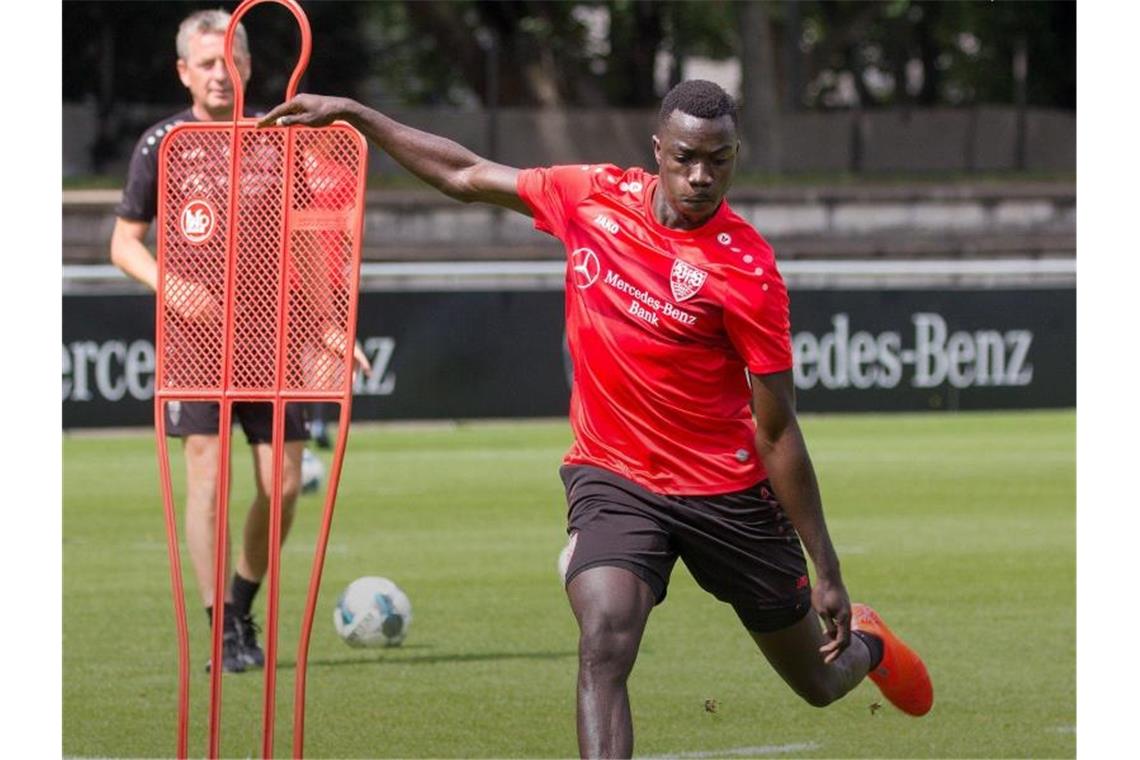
793, 651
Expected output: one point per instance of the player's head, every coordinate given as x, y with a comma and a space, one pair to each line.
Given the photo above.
696, 147
202, 62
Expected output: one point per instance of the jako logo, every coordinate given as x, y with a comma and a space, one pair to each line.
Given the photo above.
197, 221
607, 224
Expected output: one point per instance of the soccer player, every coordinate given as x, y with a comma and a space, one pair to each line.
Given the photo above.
686, 442
201, 67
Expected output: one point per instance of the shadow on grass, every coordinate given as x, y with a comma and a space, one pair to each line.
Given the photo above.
398, 657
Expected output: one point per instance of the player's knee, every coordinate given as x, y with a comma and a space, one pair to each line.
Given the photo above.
201, 473
606, 652
601, 663
289, 492
290, 489
818, 694
201, 448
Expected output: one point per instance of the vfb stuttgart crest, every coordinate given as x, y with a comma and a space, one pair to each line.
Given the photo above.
685, 280
197, 221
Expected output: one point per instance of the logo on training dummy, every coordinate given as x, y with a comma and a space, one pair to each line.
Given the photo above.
585, 267
197, 221
685, 280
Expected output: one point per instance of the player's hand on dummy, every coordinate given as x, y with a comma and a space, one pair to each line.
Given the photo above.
336, 342
829, 598
191, 300
360, 360
307, 111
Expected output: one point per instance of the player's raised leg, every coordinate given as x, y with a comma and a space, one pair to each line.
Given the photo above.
794, 653
612, 606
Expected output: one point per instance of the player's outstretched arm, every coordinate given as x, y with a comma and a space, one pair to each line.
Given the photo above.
780, 443
444, 164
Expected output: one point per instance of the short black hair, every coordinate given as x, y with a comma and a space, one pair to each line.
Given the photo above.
700, 98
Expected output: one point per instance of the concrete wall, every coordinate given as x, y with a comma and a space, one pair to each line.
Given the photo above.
913, 140
868, 221
910, 140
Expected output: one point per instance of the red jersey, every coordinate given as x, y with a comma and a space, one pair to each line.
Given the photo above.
663, 326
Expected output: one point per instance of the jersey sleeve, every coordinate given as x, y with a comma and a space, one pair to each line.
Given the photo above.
552, 193
140, 195
758, 321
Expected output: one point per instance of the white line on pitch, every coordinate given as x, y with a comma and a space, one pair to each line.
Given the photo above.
767, 749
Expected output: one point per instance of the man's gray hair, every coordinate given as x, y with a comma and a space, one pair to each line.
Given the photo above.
204, 22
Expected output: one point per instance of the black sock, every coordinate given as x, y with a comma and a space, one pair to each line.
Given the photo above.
874, 645
229, 614
244, 591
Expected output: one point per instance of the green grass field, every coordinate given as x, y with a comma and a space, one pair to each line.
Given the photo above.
959, 528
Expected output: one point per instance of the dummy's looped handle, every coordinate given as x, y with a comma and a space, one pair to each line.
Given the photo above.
302, 60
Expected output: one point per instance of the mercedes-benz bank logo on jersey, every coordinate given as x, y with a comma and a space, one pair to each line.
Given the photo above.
685, 280
197, 220
585, 267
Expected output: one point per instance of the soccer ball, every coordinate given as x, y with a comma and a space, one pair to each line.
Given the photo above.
312, 470
373, 612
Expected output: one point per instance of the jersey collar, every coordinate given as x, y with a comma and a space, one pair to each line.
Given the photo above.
713, 225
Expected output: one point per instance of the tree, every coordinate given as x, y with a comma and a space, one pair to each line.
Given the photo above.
918, 52
547, 53
760, 107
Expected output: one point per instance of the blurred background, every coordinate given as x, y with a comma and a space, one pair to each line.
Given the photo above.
912, 163
900, 86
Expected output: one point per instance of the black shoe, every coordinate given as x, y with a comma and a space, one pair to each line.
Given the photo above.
232, 650
251, 653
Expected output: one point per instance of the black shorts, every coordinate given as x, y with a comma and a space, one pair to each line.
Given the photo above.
740, 547
185, 418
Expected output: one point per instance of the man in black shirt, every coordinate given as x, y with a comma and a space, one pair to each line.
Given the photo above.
202, 69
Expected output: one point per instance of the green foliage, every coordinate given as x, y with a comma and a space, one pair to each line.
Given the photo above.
959, 528
592, 52
588, 53
1049, 31
964, 49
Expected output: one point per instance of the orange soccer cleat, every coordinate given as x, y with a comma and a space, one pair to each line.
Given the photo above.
901, 676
